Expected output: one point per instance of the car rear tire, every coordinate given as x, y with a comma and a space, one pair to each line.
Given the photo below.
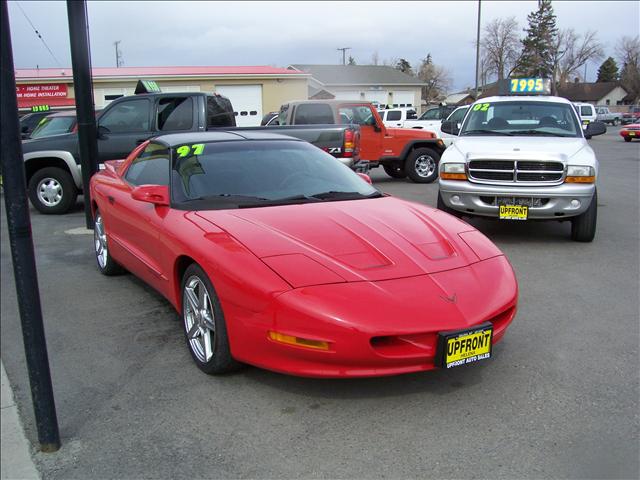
443, 206
395, 170
583, 227
52, 191
422, 165
627, 139
106, 264
204, 324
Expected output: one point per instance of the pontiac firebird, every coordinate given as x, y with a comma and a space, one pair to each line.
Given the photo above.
278, 256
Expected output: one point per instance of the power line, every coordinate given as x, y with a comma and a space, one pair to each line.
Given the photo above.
38, 33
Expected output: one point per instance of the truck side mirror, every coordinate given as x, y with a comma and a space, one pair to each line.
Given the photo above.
103, 132
450, 127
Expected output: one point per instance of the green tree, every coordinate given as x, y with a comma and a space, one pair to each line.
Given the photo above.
404, 66
536, 59
352, 61
608, 71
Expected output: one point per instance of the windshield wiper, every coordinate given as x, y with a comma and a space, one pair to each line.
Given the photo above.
335, 195
538, 132
316, 197
487, 132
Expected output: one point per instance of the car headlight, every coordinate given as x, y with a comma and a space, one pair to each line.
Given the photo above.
453, 171
580, 174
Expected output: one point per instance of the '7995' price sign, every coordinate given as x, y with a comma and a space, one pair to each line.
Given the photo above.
530, 85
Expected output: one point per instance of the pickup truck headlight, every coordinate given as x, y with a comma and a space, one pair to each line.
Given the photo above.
580, 174
453, 171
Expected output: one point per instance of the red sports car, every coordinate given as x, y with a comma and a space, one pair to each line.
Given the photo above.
629, 132
278, 256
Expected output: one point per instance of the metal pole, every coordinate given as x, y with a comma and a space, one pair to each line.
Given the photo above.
117, 54
87, 132
23, 257
478, 50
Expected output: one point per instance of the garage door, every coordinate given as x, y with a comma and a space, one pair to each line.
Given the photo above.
349, 95
380, 96
403, 98
246, 101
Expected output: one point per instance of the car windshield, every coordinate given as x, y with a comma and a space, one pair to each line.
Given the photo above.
522, 118
258, 173
53, 126
431, 114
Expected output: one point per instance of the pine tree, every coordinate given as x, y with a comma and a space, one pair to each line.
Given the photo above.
536, 59
352, 61
608, 71
404, 66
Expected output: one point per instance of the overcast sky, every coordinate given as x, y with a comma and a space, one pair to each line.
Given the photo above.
282, 33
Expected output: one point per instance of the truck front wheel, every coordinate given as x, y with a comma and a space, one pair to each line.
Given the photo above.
422, 165
52, 191
583, 227
395, 170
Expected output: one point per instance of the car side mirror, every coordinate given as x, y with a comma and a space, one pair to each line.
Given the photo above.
450, 127
103, 132
595, 128
377, 128
365, 177
156, 194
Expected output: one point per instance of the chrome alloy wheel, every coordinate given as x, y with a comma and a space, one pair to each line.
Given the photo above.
49, 191
198, 318
100, 242
425, 165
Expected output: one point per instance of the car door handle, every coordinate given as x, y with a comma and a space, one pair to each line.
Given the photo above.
111, 199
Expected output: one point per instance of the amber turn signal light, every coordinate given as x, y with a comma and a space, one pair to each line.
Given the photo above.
453, 176
590, 179
298, 341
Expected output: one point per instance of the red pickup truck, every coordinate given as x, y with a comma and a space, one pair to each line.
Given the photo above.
401, 152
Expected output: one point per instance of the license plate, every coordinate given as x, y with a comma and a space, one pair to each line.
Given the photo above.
586, 122
514, 212
466, 346
632, 134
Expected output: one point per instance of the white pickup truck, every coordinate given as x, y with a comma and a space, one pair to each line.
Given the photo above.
603, 114
457, 116
430, 118
396, 117
522, 158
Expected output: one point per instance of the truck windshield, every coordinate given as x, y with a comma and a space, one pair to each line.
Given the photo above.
54, 126
522, 118
256, 173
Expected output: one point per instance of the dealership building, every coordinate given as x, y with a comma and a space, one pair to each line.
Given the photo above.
253, 91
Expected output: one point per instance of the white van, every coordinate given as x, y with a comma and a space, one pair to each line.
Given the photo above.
586, 112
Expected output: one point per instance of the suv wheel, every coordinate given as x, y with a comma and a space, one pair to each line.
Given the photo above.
583, 227
422, 165
395, 170
52, 191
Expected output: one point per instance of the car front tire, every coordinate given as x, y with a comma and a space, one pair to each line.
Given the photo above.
106, 264
583, 227
52, 191
204, 324
422, 165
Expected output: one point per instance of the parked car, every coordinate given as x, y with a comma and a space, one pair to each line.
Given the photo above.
586, 112
456, 117
632, 115
276, 255
401, 152
603, 114
522, 158
270, 118
52, 164
431, 117
396, 117
630, 132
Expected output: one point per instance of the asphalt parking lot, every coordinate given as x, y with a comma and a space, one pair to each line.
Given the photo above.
560, 397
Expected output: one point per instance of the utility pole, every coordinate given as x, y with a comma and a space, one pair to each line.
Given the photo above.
118, 53
22, 254
478, 51
344, 54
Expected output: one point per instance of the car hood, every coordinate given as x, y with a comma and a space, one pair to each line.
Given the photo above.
540, 148
409, 133
350, 241
64, 141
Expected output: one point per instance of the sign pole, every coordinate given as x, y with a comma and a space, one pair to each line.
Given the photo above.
22, 254
87, 131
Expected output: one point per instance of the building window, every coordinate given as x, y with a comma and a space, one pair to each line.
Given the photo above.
608, 102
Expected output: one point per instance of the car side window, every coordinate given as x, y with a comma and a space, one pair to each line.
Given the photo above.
394, 115
128, 116
458, 115
359, 115
432, 114
175, 113
151, 167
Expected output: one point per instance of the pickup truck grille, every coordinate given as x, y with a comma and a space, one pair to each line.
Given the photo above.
491, 171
